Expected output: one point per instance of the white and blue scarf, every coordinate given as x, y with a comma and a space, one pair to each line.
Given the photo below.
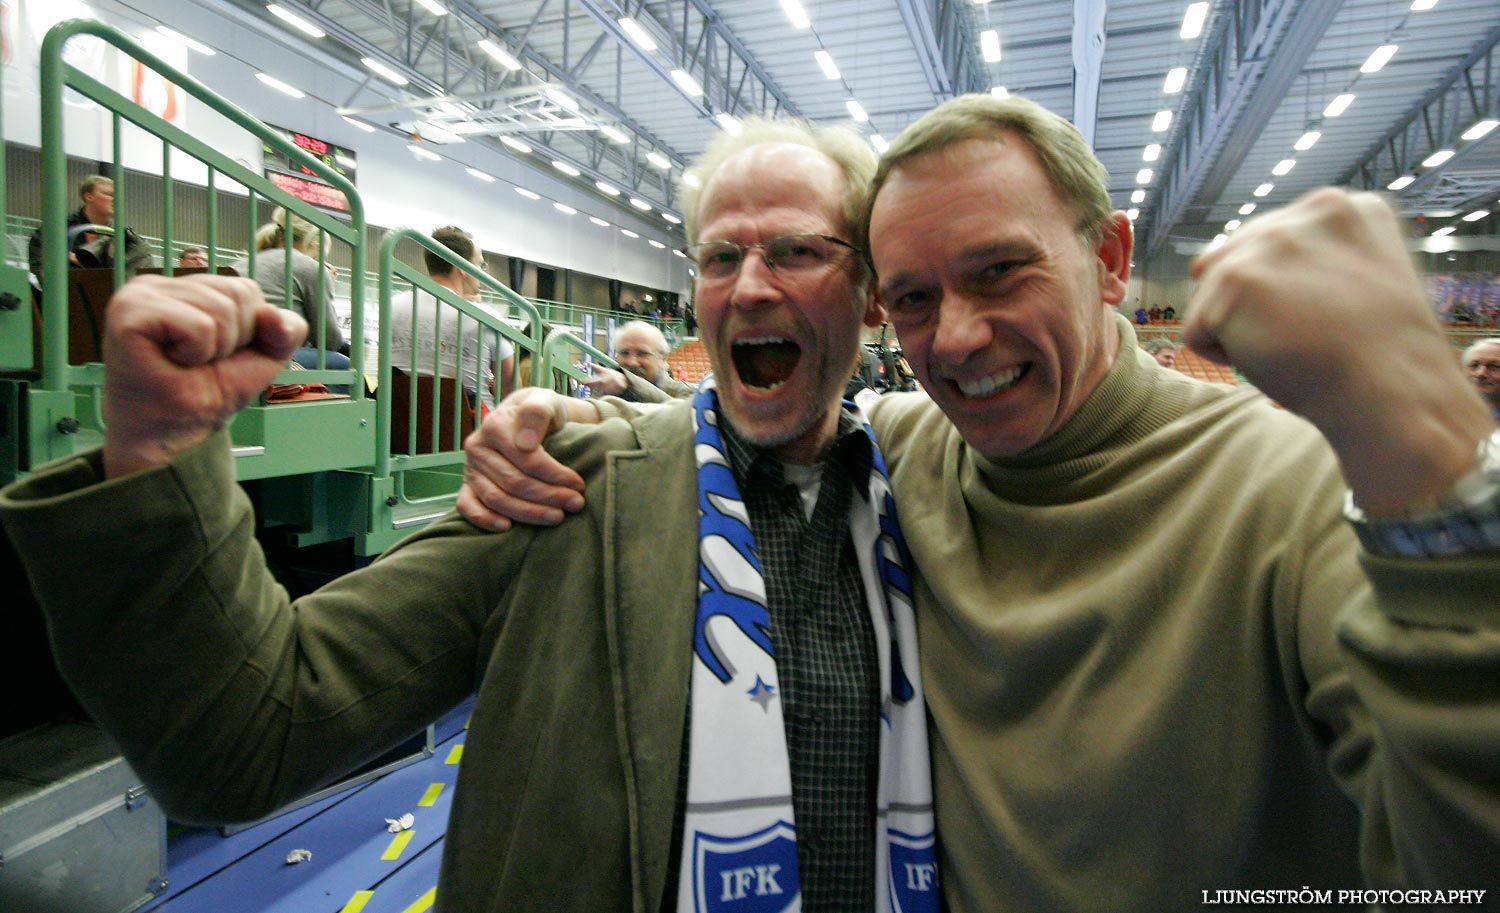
739, 849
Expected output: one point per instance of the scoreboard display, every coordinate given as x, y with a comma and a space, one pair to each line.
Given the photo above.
301, 182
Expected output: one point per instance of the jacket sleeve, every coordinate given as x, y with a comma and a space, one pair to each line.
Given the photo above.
228, 699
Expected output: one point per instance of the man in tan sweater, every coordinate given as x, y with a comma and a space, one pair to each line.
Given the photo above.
1166, 666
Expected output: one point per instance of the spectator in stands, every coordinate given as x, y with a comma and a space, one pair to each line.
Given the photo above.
1163, 350
1342, 665
586, 786
97, 194
1169, 313
1482, 361
641, 350
486, 354
193, 258
1141, 316
311, 294
1155, 313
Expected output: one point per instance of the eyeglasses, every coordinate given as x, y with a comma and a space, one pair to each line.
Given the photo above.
790, 254
637, 353
1487, 365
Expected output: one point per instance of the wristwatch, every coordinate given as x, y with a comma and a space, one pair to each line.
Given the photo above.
1466, 521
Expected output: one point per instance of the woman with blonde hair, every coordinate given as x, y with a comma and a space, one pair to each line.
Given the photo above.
310, 288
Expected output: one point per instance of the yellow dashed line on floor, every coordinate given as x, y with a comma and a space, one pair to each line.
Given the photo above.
357, 902
431, 796
455, 754
398, 843
423, 904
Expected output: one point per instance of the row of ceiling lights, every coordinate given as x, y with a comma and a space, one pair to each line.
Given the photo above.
1193, 20
503, 57
797, 15
425, 154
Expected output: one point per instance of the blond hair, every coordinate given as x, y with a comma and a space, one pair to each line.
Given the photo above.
306, 236
1077, 175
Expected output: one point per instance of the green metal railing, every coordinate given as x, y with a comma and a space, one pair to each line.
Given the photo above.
56, 75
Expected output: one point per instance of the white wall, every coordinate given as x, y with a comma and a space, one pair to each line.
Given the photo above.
397, 188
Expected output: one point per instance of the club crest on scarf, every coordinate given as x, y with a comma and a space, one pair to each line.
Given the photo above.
755, 873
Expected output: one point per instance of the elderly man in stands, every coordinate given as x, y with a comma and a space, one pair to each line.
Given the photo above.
729, 705
641, 350
1482, 361
1163, 350
1181, 647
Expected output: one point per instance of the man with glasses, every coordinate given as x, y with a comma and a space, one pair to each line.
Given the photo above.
641, 350
1183, 648
1482, 362
725, 715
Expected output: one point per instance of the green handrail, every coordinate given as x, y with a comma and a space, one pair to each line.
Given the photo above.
56, 74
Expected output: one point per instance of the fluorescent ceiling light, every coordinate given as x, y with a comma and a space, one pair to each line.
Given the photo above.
1218, 241
516, 144
565, 209
1193, 19
671, 218
729, 123
561, 98
1480, 129
1444, 232
528, 194
826, 64
856, 111
1263, 190
280, 86
438, 133
1132, 214
1339, 105
1176, 79
640, 204
637, 34
679, 253
381, 69
368, 128
989, 45
607, 188
565, 168
501, 55
1137, 196
686, 82
295, 21
598, 221
1378, 58
1232, 224
1440, 213
1437, 158
476, 173
655, 243
628, 233
1401, 182
1247, 209
614, 133
1476, 215
795, 12
1420, 5
1307, 140
659, 160
1284, 166
1152, 152
433, 7
1161, 121
186, 42
879, 142
1143, 176
999, 92
423, 153
466, 128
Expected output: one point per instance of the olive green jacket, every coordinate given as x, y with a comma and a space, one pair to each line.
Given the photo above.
230, 701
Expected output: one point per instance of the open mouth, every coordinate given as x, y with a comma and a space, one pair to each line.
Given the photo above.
765, 362
994, 383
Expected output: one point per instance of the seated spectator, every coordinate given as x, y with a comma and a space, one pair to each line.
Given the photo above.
98, 195
435, 325
1169, 313
1482, 363
311, 292
1163, 350
1141, 317
641, 350
193, 258
1155, 313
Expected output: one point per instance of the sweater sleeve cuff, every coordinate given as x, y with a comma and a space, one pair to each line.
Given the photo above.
1457, 592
